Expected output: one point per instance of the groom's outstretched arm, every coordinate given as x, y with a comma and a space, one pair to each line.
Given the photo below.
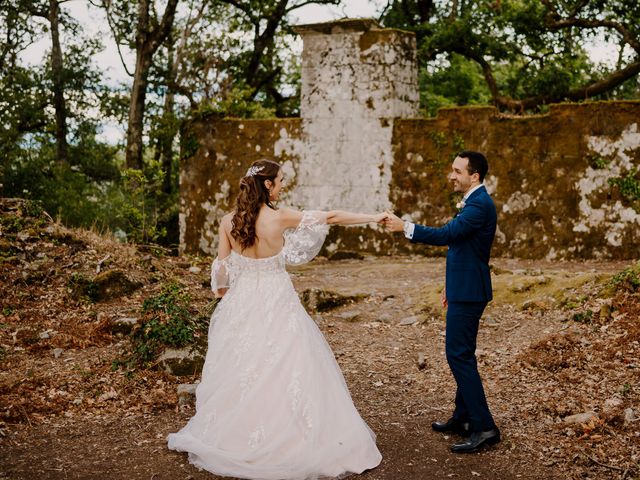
468, 220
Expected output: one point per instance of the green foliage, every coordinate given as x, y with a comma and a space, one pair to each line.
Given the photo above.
82, 288
439, 139
63, 190
583, 317
169, 320
33, 208
481, 52
457, 142
238, 102
93, 192
12, 224
135, 204
628, 185
598, 162
627, 280
189, 143
28, 214
573, 302
452, 80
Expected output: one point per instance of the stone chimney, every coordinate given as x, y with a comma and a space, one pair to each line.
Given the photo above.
356, 79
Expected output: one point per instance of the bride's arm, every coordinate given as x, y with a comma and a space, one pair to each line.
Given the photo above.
291, 218
219, 274
224, 244
340, 217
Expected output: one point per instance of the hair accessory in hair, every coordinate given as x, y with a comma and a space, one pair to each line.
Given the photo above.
254, 171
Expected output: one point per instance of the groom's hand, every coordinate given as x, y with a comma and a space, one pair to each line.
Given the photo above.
393, 223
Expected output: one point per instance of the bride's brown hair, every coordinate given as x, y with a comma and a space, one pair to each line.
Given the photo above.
253, 194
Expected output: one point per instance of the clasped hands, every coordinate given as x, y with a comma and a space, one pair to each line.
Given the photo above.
390, 221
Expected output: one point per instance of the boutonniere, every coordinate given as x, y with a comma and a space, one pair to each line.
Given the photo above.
460, 205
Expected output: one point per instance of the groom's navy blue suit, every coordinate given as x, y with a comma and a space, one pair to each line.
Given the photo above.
469, 236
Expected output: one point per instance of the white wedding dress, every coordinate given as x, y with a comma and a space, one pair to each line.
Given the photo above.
273, 403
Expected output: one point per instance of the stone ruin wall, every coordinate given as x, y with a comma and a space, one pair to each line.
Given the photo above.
548, 175
359, 146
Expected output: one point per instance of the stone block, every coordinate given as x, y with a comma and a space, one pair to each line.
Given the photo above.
187, 393
183, 362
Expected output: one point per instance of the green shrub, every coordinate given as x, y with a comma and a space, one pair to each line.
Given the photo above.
583, 317
82, 288
91, 191
169, 321
628, 279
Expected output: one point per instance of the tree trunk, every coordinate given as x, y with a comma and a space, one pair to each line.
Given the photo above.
136, 110
62, 150
166, 142
167, 130
149, 36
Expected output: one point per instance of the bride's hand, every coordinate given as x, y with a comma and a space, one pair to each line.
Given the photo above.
393, 223
380, 217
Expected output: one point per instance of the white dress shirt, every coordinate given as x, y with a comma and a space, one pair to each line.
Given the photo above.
409, 227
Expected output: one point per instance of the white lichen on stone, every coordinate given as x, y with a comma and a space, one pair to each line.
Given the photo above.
615, 218
208, 242
182, 222
491, 184
500, 236
518, 202
349, 99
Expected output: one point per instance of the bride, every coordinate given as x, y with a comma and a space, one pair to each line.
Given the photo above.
272, 403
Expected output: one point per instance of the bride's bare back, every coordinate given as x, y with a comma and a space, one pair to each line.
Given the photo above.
270, 227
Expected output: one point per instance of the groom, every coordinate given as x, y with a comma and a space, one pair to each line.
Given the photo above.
469, 236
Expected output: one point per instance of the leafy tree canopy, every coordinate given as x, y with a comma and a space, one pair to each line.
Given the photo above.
528, 53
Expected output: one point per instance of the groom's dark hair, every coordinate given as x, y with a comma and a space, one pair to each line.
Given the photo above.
477, 163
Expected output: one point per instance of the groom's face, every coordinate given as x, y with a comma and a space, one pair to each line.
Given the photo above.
460, 177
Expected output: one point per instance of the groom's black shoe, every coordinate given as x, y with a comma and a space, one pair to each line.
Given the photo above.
476, 441
451, 425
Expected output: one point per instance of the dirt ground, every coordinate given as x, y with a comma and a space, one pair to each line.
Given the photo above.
74, 417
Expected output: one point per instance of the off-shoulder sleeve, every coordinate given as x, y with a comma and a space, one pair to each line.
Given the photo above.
220, 274
304, 243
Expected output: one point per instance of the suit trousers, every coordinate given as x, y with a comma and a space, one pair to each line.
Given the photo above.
463, 320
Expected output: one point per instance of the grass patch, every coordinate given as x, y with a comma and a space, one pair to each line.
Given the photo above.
527, 290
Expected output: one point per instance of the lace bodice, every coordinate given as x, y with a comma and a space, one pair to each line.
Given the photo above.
301, 245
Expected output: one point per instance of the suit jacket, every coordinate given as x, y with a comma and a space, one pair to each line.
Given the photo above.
469, 236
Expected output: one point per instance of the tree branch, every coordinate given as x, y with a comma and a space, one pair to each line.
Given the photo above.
246, 9
309, 2
454, 11
262, 41
555, 22
582, 93
106, 6
584, 23
190, 24
167, 22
